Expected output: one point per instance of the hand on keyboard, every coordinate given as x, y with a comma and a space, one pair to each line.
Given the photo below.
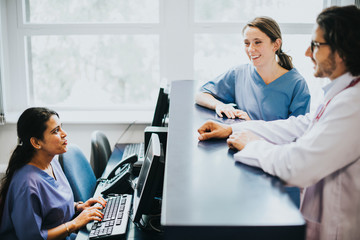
89, 214
98, 201
115, 220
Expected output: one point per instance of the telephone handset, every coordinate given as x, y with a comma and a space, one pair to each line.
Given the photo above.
118, 179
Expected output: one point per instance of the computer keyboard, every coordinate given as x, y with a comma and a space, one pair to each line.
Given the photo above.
115, 221
134, 148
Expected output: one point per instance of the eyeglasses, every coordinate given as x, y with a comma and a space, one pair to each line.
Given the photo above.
316, 44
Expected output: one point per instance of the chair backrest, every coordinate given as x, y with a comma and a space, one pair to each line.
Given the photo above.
78, 171
100, 152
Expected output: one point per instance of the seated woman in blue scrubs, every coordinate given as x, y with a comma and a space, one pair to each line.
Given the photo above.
265, 89
36, 201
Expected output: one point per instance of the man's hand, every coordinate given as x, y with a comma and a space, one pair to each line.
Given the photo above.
239, 140
211, 129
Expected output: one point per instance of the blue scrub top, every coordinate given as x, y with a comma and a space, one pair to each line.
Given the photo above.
36, 202
287, 96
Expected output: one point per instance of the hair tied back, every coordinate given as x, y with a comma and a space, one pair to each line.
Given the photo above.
19, 142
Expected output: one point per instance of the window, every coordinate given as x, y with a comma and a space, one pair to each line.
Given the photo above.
283, 11
92, 69
92, 11
2, 110
219, 43
114, 55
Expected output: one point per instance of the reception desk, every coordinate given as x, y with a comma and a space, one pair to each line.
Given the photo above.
207, 195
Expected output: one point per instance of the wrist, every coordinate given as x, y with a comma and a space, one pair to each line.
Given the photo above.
229, 130
67, 229
226, 128
218, 105
72, 226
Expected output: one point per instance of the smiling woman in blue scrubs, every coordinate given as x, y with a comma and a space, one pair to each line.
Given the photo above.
36, 201
265, 89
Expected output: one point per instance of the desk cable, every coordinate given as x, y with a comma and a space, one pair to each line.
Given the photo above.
125, 131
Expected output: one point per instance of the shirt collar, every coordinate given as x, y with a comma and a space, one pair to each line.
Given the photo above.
337, 85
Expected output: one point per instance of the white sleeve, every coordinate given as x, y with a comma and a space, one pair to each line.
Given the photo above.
279, 131
331, 144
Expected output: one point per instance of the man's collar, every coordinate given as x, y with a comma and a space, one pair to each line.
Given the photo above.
337, 85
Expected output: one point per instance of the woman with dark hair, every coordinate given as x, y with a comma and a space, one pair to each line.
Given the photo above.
269, 88
36, 201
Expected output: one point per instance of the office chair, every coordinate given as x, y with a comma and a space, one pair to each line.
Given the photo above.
78, 172
100, 152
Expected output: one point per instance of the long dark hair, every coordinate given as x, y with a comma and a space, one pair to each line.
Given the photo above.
270, 27
342, 35
32, 123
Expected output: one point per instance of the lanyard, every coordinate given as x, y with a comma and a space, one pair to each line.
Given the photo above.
322, 110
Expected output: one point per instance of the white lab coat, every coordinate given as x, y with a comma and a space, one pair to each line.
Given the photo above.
321, 157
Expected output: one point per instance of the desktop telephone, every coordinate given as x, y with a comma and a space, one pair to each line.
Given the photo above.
118, 179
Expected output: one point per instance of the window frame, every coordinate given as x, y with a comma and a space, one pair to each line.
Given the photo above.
176, 30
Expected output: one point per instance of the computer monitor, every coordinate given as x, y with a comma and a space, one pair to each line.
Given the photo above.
161, 109
150, 181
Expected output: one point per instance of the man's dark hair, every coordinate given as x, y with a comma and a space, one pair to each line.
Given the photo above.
341, 31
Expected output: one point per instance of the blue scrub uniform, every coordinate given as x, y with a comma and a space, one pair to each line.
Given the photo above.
287, 96
36, 202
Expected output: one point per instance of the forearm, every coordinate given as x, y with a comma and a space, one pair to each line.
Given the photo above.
278, 131
207, 100
322, 151
62, 231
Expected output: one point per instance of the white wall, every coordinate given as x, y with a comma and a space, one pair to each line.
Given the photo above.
7, 143
79, 134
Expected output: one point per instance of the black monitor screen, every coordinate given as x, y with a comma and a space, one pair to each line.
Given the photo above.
150, 180
161, 110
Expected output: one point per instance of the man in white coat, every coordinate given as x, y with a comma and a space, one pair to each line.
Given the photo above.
320, 151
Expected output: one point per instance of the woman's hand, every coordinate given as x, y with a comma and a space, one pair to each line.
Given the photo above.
239, 140
88, 214
226, 109
230, 111
242, 115
82, 206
